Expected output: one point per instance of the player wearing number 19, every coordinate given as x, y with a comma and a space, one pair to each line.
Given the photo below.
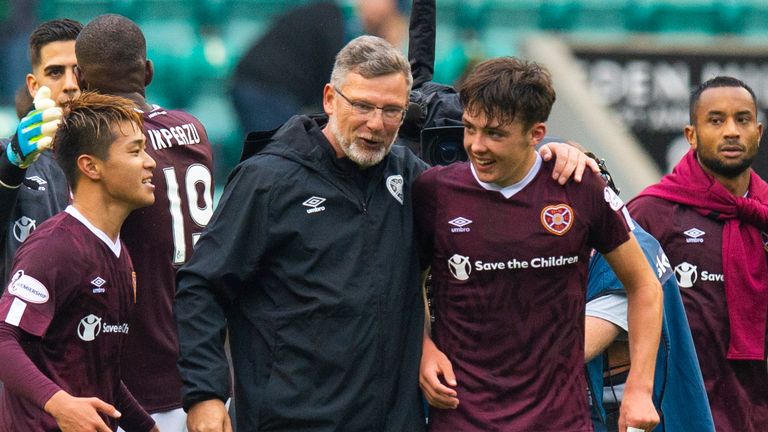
111, 55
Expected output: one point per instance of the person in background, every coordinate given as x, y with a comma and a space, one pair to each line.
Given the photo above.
111, 54
711, 217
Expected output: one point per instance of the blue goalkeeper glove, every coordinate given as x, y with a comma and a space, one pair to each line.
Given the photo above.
35, 131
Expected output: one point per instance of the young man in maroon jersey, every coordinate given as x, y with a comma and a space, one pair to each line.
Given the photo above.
65, 313
508, 249
711, 216
111, 54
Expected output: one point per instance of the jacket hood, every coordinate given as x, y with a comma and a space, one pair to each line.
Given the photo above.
301, 131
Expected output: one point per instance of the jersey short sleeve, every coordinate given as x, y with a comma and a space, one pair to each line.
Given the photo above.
610, 220
33, 293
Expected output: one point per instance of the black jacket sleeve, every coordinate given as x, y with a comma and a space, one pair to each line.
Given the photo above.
224, 262
11, 177
421, 41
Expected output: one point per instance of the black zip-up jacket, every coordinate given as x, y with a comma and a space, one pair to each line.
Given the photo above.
28, 197
309, 263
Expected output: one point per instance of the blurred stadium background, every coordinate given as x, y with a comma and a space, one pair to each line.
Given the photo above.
623, 68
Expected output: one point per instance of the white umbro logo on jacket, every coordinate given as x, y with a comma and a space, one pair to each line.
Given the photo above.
314, 204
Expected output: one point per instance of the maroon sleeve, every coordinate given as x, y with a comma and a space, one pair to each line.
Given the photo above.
610, 225
37, 289
23, 378
134, 418
424, 214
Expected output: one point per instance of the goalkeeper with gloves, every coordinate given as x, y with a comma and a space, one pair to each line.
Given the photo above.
32, 186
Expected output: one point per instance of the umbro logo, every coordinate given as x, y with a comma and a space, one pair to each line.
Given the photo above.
460, 224
35, 182
694, 235
314, 204
98, 283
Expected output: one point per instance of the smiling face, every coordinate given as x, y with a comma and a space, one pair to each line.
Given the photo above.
364, 138
56, 71
726, 133
500, 154
127, 173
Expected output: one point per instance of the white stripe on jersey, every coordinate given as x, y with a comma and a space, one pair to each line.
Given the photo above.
628, 218
15, 312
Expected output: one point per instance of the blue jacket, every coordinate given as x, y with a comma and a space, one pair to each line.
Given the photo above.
678, 390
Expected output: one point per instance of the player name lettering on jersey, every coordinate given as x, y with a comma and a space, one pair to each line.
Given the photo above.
538, 262
185, 134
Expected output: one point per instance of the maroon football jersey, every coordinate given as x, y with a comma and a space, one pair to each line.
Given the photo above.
509, 279
737, 390
160, 238
74, 292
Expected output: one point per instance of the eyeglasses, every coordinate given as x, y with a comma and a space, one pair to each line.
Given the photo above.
389, 114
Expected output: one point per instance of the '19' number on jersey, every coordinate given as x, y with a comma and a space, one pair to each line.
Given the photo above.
196, 173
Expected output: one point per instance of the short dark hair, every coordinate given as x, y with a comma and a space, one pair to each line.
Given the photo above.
51, 31
718, 81
88, 127
111, 46
508, 89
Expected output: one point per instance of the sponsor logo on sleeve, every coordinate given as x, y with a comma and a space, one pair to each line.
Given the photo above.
23, 227
612, 199
557, 219
460, 224
28, 288
314, 204
395, 187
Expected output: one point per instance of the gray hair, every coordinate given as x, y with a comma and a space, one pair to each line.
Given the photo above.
371, 57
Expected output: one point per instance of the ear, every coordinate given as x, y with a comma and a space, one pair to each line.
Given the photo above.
329, 97
32, 85
537, 133
759, 133
690, 136
149, 72
89, 166
81, 82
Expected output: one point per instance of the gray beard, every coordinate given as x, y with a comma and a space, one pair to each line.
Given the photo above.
355, 153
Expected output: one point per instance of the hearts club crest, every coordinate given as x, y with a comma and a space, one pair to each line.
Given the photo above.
557, 219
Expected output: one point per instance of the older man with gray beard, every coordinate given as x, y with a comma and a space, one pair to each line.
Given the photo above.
309, 263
